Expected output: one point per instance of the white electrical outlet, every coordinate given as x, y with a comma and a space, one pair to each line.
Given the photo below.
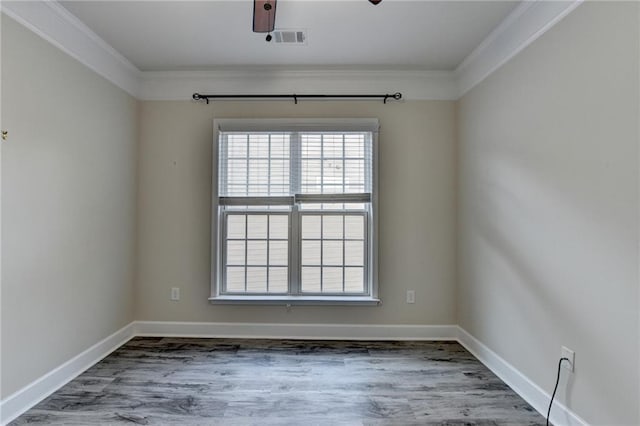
411, 296
175, 293
570, 355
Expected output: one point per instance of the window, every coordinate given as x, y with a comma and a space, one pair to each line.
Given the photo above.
295, 214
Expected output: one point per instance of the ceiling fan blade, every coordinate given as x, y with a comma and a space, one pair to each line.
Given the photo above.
264, 16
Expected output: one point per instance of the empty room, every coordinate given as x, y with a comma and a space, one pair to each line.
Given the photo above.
320, 212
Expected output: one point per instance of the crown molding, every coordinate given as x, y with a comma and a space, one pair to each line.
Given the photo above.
54, 23
59, 27
520, 28
433, 85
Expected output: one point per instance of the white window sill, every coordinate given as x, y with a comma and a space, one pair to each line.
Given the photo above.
294, 300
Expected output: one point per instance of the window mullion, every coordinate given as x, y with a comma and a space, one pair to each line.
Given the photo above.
322, 164
268, 248
246, 250
269, 168
321, 216
294, 251
321, 252
246, 188
344, 249
295, 173
344, 178
344, 168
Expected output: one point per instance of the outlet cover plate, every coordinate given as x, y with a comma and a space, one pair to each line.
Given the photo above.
175, 293
570, 355
411, 296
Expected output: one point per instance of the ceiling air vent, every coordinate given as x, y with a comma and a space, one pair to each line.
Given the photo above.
290, 36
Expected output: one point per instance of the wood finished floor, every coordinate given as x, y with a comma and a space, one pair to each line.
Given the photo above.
177, 381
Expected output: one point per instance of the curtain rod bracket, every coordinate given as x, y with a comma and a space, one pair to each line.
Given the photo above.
199, 97
396, 96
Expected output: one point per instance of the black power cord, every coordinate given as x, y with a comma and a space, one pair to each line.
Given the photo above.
555, 388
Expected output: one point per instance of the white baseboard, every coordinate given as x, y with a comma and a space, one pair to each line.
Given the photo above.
22, 400
296, 331
521, 384
19, 402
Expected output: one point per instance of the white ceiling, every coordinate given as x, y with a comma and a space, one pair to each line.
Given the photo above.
197, 35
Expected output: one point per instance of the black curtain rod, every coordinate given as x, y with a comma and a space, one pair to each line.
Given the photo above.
396, 96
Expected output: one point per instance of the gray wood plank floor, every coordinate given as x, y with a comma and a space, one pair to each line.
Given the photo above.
177, 381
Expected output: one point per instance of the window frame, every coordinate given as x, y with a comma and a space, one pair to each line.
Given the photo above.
218, 219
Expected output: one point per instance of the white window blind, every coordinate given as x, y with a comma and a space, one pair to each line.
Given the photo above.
254, 164
328, 165
295, 212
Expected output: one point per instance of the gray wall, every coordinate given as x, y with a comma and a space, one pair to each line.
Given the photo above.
68, 207
416, 217
548, 210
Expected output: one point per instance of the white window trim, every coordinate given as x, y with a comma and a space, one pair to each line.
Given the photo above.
340, 124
